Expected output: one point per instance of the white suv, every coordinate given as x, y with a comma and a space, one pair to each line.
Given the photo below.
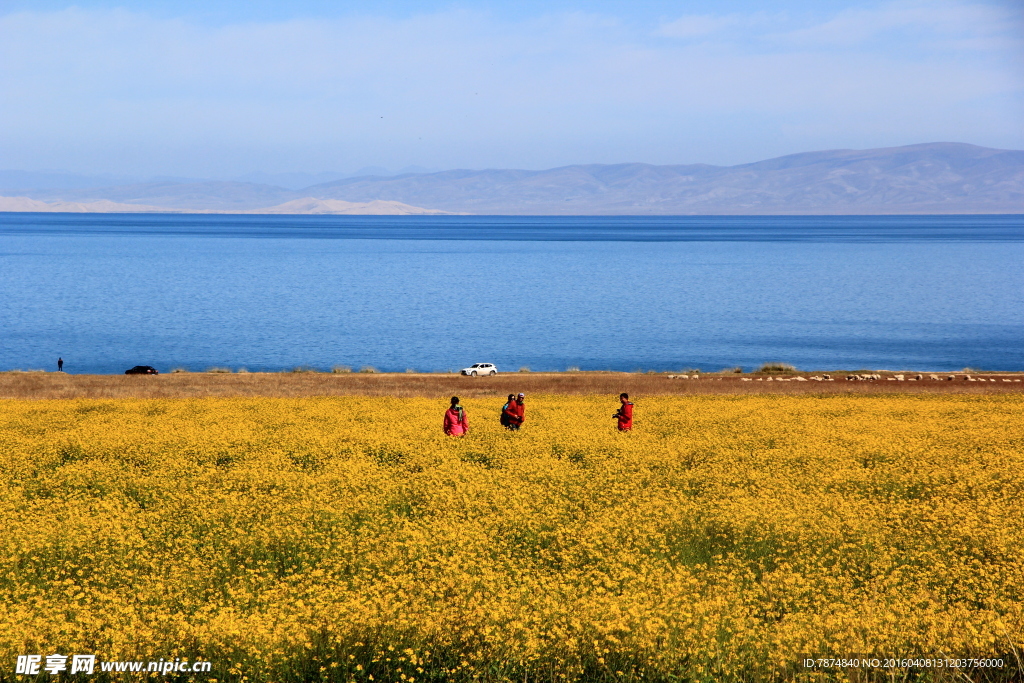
480, 369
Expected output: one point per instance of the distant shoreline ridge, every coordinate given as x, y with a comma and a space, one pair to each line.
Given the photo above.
311, 206
304, 206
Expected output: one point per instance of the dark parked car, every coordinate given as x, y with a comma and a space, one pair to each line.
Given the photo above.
142, 370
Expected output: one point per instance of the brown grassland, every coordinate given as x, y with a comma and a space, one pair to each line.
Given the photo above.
46, 385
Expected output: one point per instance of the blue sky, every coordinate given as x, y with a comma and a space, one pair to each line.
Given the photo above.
221, 89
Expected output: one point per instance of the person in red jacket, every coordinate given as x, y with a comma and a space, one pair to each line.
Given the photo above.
625, 413
455, 423
514, 413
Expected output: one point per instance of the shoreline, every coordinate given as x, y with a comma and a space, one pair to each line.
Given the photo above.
41, 385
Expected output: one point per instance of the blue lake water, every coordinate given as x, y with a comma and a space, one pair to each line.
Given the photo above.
106, 292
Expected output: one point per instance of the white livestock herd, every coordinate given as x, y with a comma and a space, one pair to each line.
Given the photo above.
899, 377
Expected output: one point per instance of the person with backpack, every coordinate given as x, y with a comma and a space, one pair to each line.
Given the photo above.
625, 413
504, 419
455, 423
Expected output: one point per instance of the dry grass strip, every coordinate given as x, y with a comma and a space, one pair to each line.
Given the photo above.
49, 385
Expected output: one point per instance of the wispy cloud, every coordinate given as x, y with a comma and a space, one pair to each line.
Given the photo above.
696, 25
989, 26
983, 26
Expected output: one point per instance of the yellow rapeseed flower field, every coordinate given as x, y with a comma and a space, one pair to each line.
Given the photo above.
725, 539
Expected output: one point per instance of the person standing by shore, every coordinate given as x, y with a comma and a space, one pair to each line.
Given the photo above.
60, 365
455, 423
625, 413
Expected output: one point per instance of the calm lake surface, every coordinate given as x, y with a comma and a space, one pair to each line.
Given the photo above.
109, 291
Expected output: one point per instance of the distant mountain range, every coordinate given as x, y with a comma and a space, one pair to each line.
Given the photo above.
934, 178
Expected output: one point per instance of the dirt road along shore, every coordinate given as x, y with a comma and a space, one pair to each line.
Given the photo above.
51, 385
